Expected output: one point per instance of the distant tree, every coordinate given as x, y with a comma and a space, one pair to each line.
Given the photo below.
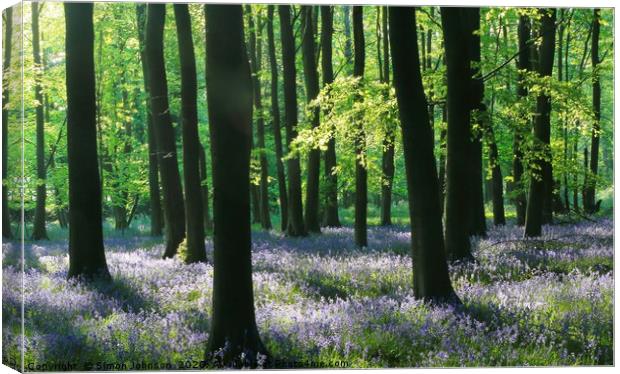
430, 272
590, 194
174, 212
6, 65
275, 118
311, 77
331, 218
86, 252
295, 210
205, 190
195, 237
361, 174
539, 182
387, 159
39, 231
154, 196
229, 99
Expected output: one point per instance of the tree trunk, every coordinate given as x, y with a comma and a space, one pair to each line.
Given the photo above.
6, 65
86, 253
205, 190
456, 30
387, 159
195, 237
174, 212
442, 159
361, 174
295, 209
39, 231
229, 99
331, 178
590, 195
430, 269
524, 64
275, 118
348, 52
497, 185
311, 76
540, 184
154, 197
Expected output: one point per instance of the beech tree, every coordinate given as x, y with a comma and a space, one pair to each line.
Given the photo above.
589, 204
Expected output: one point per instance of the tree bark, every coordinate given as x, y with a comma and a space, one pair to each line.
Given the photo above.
205, 190
6, 64
154, 196
456, 29
442, 159
86, 252
229, 98
311, 76
275, 118
387, 157
497, 185
39, 232
332, 218
590, 195
295, 209
539, 184
195, 237
361, 174
430, 269
174, 212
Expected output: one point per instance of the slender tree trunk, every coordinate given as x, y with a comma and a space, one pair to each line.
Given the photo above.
576, 176
195, 237
331, 178
229, 98
560, 43
442, 159
205, 190
295, 209
497, 186
361, 174
430, 269
86, 253
348, 44
39, 231
6, 65
585, 177
542, 130
154, 197
275, 118
523, 64
590, 196
174, 212
456, 30
311, 76
387, 159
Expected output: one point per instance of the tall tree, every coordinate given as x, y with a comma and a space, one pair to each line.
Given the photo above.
295, 210
229, 98
361, 174
86, 252
275, 118
174, 212
311, 76
154, 196
331, 178
39, 231
255, 50
387, 158
348, 53
430, 269
542, 131
195, 237
590, 195
457, 30
6, 65
205, 190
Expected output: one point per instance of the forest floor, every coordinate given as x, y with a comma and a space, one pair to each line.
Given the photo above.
322, 302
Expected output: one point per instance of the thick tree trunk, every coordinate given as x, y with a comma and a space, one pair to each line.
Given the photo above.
39, 231
524, 64
86, 253
361, 174
541, 184
387, 159
174, 212
295, 209
6, 65
331, 218
229, 98
205, 190
430, 269
195, 237
275, 118
311, 76
154, 197
590, 196
456, 30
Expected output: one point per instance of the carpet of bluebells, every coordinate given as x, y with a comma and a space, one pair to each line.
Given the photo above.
321, 300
